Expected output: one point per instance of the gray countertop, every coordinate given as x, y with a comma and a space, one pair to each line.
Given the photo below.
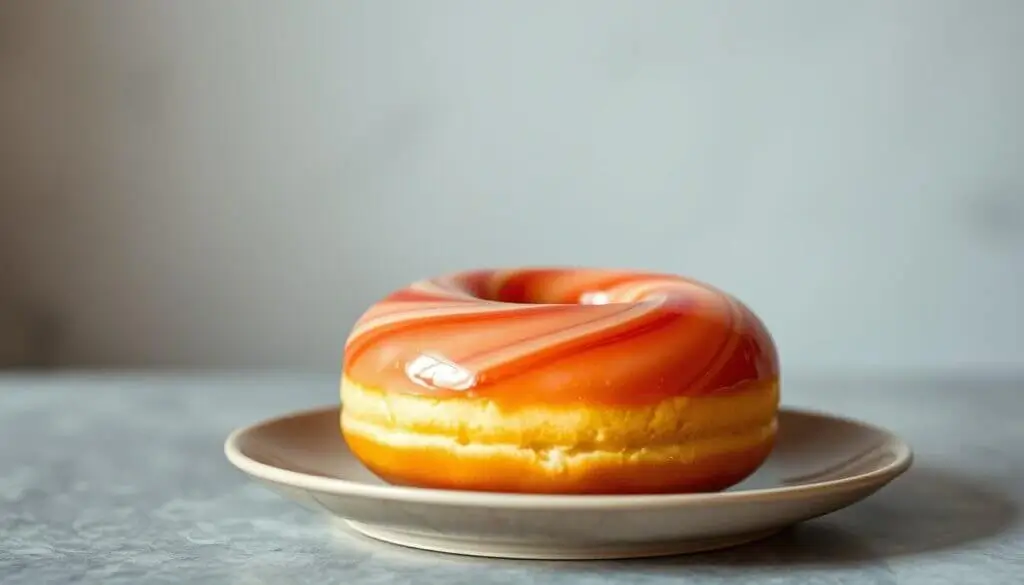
120, 479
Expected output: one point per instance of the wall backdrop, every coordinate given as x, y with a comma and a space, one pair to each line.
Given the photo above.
228, 184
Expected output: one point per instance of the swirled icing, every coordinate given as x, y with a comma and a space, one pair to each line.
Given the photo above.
560, 335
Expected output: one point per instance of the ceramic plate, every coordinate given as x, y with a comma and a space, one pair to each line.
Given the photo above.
821, 463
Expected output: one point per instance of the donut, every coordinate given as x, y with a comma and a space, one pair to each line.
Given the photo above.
560, 381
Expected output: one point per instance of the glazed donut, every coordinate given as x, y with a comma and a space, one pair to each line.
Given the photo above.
560, 380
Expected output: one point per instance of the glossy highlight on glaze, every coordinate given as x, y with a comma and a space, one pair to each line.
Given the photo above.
559, 336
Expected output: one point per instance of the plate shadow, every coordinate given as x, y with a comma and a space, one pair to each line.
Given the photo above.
926, 510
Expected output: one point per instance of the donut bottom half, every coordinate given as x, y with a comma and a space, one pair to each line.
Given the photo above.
685, 444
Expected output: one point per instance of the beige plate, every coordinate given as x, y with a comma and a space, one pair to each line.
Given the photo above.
820, 464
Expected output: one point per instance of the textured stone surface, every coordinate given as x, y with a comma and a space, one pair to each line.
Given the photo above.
120, 479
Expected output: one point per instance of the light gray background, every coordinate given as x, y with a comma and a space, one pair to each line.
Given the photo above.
229, 184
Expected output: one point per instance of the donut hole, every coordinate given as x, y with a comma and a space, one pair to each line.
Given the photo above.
540, 297
543, 287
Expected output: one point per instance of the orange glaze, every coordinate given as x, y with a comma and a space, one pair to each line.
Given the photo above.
557, 336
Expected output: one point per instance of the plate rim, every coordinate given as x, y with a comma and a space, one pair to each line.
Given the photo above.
878, 477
